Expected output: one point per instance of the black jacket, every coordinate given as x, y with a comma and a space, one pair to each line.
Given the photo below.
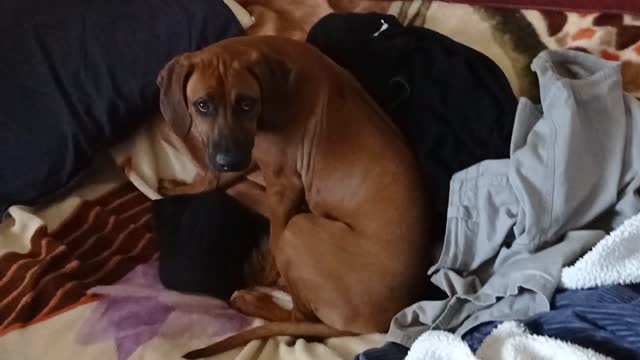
453, 104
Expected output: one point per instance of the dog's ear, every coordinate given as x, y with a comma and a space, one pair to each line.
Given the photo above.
172, 82
273, 75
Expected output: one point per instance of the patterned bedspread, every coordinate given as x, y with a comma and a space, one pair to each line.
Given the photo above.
77, 276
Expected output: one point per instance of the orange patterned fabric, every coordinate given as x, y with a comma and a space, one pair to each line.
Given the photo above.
611, 36
578, 6
584, 33
98, 244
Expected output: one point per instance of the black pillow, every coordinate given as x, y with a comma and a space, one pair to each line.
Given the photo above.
79, 75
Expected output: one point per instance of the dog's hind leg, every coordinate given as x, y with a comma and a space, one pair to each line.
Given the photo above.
332, 269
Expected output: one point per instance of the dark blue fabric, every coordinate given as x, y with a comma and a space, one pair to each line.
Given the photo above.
78, 76
476, 335
606, 320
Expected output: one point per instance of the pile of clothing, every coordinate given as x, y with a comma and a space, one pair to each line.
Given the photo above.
521, 189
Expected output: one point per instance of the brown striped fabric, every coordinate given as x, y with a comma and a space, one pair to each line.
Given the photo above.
98, 244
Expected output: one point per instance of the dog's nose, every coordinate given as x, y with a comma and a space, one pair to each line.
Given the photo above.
230, 161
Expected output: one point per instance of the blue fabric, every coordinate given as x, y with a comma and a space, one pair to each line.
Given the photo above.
476, 335
606, 320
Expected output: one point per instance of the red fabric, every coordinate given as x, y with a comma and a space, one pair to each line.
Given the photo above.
583, 6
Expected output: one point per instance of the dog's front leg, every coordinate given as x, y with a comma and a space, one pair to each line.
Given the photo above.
285, 200
251, 195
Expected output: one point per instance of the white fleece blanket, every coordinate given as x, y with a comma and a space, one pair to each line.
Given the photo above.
509, 341
614, 260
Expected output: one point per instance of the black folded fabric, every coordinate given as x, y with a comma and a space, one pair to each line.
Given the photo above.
454, 105
205, 240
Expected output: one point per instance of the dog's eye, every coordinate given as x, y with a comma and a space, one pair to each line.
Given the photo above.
203, 106
247, 104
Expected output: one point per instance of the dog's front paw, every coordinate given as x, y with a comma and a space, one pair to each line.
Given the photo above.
246, 300
169, 187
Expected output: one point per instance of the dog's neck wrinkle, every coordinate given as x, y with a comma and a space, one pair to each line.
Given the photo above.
313, 130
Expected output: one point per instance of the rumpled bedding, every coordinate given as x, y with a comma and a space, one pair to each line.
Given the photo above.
75, 272
512, 224
80, 280
509, 340
601, 313
599, 318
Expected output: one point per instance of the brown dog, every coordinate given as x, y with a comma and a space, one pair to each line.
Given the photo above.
342, 193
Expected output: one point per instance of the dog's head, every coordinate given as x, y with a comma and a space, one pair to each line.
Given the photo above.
218, 98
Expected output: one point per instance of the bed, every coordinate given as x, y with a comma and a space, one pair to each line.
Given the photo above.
78, 272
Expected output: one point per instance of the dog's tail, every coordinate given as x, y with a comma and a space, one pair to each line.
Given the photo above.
296, 329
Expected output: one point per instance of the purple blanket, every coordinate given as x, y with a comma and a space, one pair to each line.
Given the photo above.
138, 308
